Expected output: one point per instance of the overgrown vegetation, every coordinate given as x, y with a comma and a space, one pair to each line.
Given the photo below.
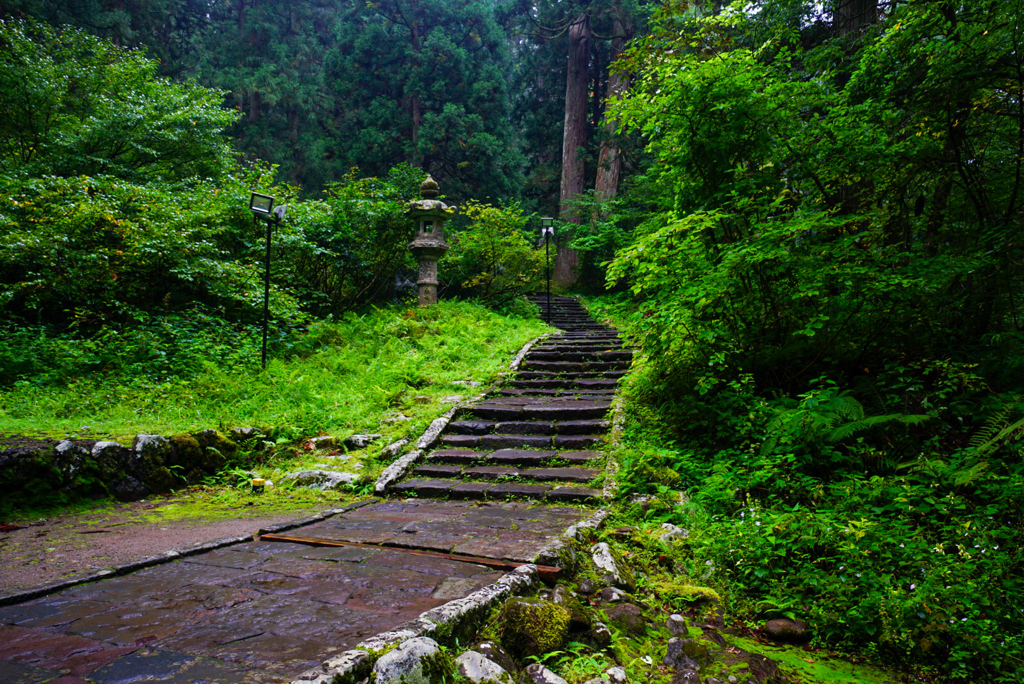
336, 377
818, 255
826, 290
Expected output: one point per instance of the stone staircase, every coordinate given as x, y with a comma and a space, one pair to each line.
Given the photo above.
541, 436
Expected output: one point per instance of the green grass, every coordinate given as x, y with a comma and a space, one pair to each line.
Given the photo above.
356, 375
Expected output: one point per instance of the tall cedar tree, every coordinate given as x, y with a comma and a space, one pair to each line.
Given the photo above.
565, 64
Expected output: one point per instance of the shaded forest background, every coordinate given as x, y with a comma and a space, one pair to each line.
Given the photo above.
807, 216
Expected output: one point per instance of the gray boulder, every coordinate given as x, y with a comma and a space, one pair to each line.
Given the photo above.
393, 449
538, 674
610, 567
788, 631
361, 441
616, 675
481, 670
323, 479
672, 532
68, 457
495, 653
613, 595
404, 665
676, 625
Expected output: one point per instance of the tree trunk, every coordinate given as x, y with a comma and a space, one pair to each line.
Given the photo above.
415, 102
852, 15
609, 163
574, 136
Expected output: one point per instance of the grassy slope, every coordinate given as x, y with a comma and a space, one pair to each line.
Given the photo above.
353, 374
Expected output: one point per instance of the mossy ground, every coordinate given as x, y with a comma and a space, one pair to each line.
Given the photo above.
814, 666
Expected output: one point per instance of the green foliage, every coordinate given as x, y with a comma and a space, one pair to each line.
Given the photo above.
493, 259
348, 249
79, 105
810, 222
827, 291
327, 86
86, 250
119, 200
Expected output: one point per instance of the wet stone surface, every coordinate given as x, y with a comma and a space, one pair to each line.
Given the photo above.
264, 612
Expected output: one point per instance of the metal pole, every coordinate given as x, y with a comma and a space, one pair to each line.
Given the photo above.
547, 270
266, 296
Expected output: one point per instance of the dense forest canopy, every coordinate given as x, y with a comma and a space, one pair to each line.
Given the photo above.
808, 215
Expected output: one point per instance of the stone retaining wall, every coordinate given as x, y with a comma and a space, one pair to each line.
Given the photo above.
35, 472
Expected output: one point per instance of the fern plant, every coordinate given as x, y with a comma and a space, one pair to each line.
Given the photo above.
825, 415
998, 429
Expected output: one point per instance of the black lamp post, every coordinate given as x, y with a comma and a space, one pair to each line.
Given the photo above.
262, 206
547, 231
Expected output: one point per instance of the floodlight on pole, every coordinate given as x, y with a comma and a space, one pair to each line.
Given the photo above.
547, 231
262, 207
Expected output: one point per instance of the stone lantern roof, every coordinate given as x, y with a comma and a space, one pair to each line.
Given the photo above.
430, 206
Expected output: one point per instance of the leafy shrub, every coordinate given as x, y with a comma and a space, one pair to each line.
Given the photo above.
492, 259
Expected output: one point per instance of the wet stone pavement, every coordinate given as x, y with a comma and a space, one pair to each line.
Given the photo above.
266, 611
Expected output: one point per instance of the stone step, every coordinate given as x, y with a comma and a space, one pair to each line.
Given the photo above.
514, 441
582, 384
580, 356
547, 375
538, 437
569, 427
574, 366
517, 391
581, 345
457, 489
546, 474
536, 408
535, 458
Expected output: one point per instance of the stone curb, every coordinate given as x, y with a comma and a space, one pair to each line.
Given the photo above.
611, 468
445, 618
611, 465
397, 470
168, 556
549, 555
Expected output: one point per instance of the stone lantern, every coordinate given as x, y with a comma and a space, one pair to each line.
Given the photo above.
430, 214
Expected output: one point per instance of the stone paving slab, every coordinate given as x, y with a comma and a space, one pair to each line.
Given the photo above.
262, 612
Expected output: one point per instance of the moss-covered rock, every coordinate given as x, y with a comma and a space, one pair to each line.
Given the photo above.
611, 568
150, 456
69, 459
111, 459
580, 616
532, 627
628, 618
187, 452
161, 480
216, 440
216, 450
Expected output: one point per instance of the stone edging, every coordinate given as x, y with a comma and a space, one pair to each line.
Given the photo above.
611, 469
437, 623
397, 470
551, 554
168, 556
611, 465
